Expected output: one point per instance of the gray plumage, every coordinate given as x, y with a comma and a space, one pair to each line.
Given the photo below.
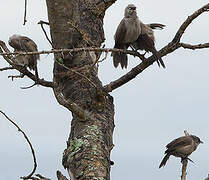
127, 32
132, 32
181, 147
146, 41
25, 44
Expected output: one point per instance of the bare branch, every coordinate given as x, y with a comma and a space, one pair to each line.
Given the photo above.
6, 68
28, 141
193, 47
97, 49
184, 167
188, 21
17, 76
82, 114
42, 27
24, 21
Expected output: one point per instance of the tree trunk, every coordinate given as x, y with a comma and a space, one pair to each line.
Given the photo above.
79, 23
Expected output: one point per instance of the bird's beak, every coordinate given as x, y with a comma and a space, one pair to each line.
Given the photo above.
201, 142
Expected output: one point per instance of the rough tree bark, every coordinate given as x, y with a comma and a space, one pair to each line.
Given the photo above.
79, 23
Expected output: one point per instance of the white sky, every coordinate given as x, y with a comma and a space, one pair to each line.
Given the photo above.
150, 111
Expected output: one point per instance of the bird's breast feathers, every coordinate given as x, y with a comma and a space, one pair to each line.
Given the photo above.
133, 30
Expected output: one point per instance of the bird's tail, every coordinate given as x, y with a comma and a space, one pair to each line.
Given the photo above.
159, 59
156, 26
166, 157
120, 58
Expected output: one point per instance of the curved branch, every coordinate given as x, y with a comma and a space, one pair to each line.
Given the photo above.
28, 141
188, 21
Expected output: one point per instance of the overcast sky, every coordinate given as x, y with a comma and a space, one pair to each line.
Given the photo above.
150, 111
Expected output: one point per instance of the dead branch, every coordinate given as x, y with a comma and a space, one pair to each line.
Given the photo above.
6, 68
28, 141
193, 47
42, 27
184, 167
96, 49
24, 21
17, 76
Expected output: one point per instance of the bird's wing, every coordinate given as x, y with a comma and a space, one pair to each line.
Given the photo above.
120, 33
176, 143
28, 44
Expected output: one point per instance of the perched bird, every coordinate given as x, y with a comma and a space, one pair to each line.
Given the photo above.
181, 147
146, 41
132, 32
127, 32
24, 44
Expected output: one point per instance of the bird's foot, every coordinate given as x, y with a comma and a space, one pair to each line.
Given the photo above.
186, 159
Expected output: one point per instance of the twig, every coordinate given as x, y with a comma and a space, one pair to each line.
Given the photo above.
6, 68
60, 176
184, 167
29, 86
24, 21
17, 76
28, 141
42, 27
186, 133
134, 53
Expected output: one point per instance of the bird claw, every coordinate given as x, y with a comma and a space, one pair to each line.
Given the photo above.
182, 160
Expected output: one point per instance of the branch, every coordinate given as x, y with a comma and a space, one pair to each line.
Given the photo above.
42, 27
184, 167
96, 49
81, 113
6, 68
193, 47
10, 59
28, 141
188, 21
25, 13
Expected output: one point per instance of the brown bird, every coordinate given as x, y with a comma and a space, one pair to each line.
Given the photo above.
146, 41
127, 32
181, 147
23, 44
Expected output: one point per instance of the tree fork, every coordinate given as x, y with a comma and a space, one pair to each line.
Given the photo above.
87, 155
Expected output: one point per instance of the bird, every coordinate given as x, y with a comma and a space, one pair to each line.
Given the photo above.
127, 32
23, 44
146, 41
181, 147
131, 32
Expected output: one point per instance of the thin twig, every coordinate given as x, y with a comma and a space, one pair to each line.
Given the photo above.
97, 49
6, 68
17, 76
42, 27
24, 21
28, 141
